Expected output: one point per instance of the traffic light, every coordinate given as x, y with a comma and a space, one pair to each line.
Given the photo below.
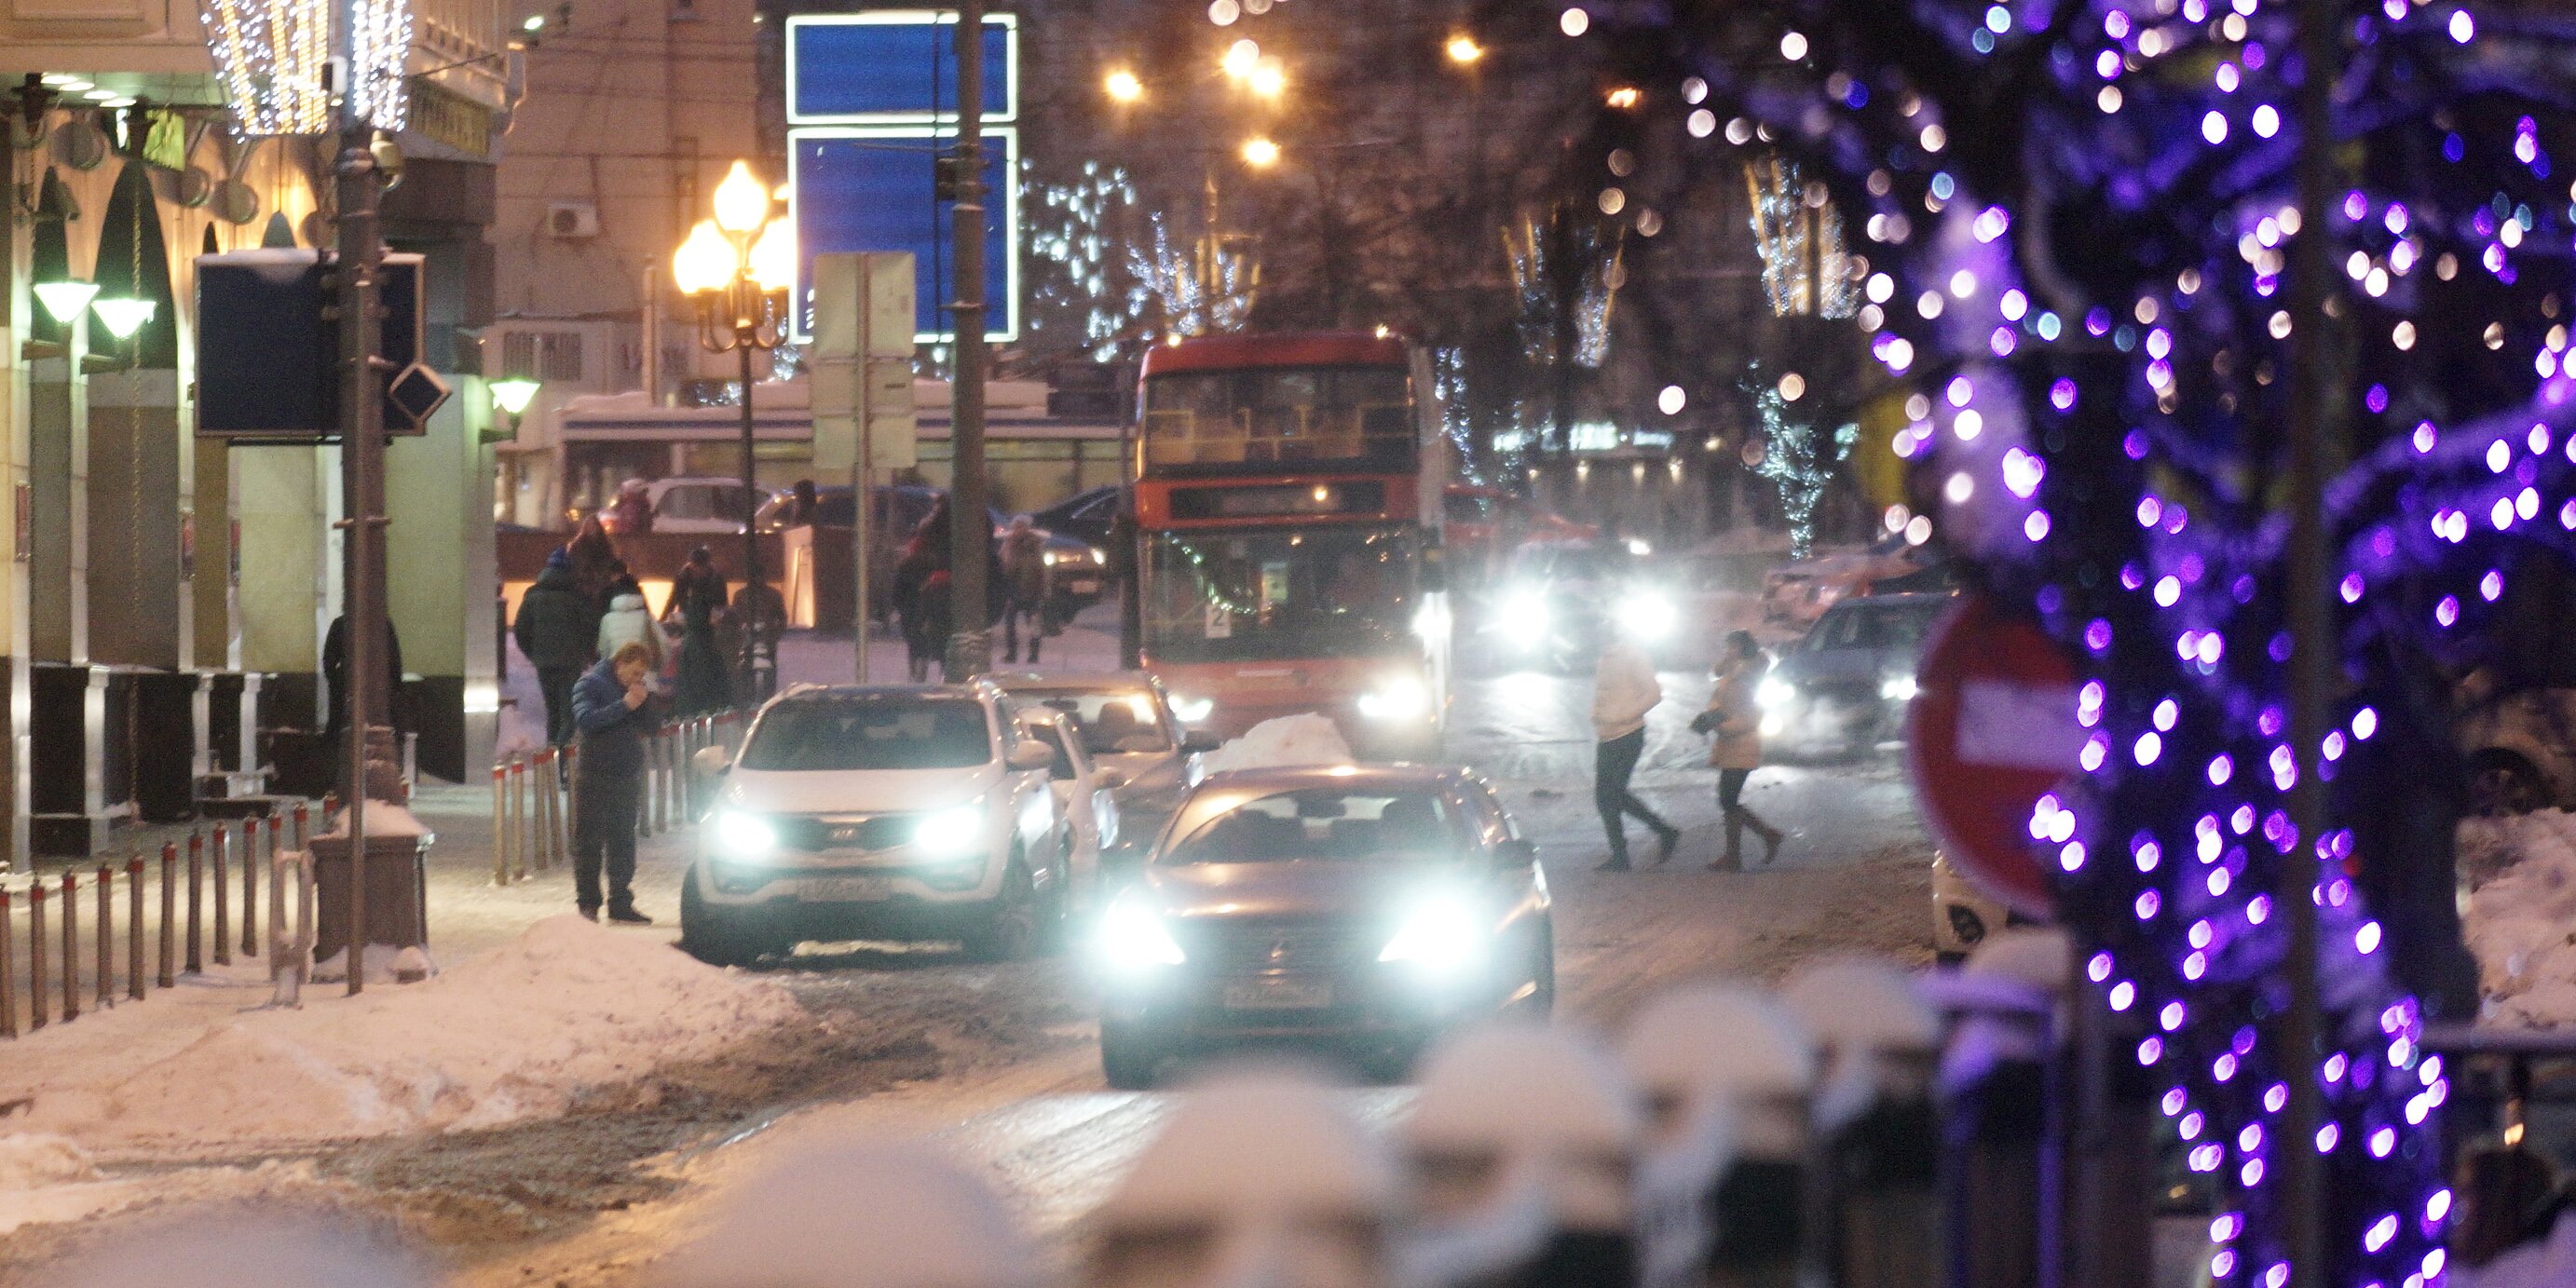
952, 175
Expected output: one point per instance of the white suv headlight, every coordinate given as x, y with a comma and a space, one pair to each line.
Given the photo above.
951, 831
1131, 938
1897, 688
743, 836
1400, 698
1526, 617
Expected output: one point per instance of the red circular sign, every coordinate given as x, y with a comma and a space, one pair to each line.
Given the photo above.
1992, 728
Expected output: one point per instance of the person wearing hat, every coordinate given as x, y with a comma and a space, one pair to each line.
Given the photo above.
697, 599
558, 629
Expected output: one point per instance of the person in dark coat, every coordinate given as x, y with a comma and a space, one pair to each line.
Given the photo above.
594, 560
1027, 583
558, 630
609, 705
697, 599
335, 676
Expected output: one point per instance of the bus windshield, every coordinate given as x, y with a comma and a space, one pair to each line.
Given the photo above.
1262, 417
1240, 596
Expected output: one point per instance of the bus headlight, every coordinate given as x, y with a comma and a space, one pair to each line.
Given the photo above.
1774, 693
743, 837
1647, 615
1526, 617
1401, 698
1131, 938
1897, 688
955, 830
1191, 710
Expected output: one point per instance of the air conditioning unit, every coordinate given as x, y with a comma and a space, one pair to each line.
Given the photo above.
572, 219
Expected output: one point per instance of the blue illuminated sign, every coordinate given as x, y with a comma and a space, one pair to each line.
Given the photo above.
893, 66
870, 188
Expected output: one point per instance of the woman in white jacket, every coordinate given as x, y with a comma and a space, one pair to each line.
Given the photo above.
629, 621
1624, 689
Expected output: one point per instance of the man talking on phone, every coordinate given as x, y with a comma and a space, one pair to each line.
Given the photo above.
609, 715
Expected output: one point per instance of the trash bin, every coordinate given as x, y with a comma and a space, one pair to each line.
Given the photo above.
397, 882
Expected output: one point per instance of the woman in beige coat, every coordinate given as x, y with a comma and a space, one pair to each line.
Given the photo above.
1734, 717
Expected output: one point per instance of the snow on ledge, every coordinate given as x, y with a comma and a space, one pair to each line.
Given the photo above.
1303, 739
521, 1031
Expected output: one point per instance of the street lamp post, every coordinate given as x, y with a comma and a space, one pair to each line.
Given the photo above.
737, 266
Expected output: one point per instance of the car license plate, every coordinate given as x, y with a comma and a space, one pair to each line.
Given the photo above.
1278, 994
1081, 586
846, 889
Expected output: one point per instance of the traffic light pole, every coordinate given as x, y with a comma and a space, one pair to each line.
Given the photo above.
970, 528
362, 472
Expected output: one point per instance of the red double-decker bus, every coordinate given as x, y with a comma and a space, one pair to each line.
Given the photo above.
1288, 505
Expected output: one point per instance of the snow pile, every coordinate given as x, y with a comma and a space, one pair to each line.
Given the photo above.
1303, 739
525, 1030
2520, 920
29, 1160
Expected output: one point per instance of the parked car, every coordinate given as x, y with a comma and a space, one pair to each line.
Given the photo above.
1799, 593
1366, 907
919, 812
2521, 746
1081, 569
1128, 729
1085, 516
1844, 688
1962, 914
1085, 797
702, 504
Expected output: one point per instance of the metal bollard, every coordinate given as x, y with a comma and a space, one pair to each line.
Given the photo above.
250, 883
36, 956
134, 926
169, 977
8, 972
519, 818
222, 872
500, 825
196, 903
303, 821
106, 933
549, 809
674, 779
71, 949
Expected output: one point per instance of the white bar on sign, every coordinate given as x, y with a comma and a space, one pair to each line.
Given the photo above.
2017, 726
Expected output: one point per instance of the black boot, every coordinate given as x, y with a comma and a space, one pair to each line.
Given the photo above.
1733, 859
624, 914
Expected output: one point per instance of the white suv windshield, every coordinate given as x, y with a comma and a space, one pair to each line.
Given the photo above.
871, 733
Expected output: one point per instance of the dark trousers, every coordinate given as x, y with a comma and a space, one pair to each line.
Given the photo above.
555, 683
1035, 611
604, 808
1614, 762
1730, 804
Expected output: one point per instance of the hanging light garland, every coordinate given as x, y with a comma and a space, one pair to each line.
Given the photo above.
272, 58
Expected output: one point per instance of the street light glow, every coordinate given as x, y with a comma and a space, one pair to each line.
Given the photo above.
1624, 97
1260, 152
742, 201
704, 261
773, 257
1123, 87
1463, 49
65, 300
1240, 59
512, 394
1269, 78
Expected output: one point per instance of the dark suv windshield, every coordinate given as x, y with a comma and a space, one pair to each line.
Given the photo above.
1324, 823
1874, 626
870, 733
1112, 721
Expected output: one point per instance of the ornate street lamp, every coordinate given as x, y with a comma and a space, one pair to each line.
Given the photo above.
738, 267
510, 397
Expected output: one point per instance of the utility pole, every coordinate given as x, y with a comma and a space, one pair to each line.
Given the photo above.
970, 526
362, 470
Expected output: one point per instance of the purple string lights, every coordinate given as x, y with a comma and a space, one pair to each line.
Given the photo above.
2078, 219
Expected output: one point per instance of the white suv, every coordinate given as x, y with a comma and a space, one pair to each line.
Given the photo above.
879, 813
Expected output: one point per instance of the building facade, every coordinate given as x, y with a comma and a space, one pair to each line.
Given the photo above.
167, 597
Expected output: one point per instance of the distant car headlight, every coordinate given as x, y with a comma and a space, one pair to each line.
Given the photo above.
1049, 558
1774, 692
1647, 616
1131, 938
1401, 698
1897, 688
1098, 558
1190, 709
744, 837
1640, 547
1526, 617
1442, 935
956, 830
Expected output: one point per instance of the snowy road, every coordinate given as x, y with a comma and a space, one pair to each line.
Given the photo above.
998, 1062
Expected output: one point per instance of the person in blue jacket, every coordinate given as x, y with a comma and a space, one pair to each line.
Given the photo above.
608, 712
